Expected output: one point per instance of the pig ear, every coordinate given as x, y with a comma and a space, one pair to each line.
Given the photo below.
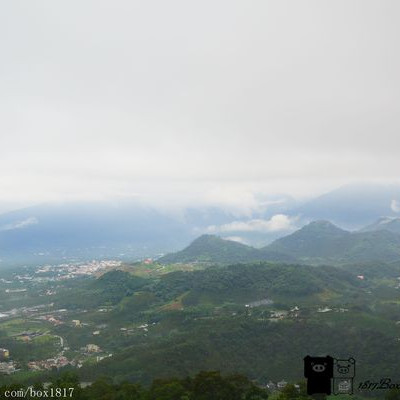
352, 361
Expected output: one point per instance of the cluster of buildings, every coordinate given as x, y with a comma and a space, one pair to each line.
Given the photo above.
51, 273
69, 271
327, 309
8, 367
258, 303
295, 312
28, 335
143, 328
76, 323
50, 318
25, 311
274, 315
99, 358
279, 315
279, 386
91, 348
45, 312
51, 363
62, 361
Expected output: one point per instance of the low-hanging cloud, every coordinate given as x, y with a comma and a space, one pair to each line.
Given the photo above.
19, 224
237, 239
395, 206
278, 223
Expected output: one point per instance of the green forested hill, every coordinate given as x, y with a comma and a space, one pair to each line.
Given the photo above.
254, 281
240, 283
199, 321
260, 349
210, 248
319, 242
322, 242
213, 249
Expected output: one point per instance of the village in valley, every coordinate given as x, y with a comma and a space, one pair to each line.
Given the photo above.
41, 318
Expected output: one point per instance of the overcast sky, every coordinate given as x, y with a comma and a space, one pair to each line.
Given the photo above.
213, 100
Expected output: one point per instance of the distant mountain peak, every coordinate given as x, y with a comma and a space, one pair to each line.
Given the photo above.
322, 223
391, 224
212, 248
322, 226
215, 240
207, 237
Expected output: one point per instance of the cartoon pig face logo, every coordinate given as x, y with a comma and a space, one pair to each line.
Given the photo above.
343, 369
318, 367
321, 367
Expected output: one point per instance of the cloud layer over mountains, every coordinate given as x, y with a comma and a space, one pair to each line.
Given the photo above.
206, 101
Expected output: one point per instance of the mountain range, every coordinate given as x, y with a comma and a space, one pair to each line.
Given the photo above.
129, 230
319, 242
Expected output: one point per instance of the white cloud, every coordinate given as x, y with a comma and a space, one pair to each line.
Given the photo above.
395, 206
277, 223
19, 224
236, 239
